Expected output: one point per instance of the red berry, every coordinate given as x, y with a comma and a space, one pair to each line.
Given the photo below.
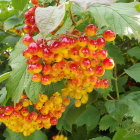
27, 28
109, 35
82, 41
35, 1
84, 52
105, 83
99, 71
102, 54
85, 63
46, 80
108, 63
36, 77
8, 110
47, 69
91, 30
33, 59
92, 45
100, 43
53, 121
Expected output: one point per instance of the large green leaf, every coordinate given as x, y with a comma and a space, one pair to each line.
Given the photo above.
19, 4
4, 76
79, 116
122, 134
48, 19
87, 3
134, 72
101, 138
19, 76
134, 52
120, 17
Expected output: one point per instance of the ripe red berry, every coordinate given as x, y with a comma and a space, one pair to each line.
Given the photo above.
100, 43
102, 54
46, 69
36, 77
35, 1
33, 59
27, 28
109, 35
82, 41
92, 45
85, 63
8, 110
53, 121
46, 80
33, 48
84, 52
99, 71
91, 30
34, 68
108, 63
105, 83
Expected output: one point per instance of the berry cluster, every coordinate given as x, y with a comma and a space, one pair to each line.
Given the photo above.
60, 137
30, 26
80, 59
46, 113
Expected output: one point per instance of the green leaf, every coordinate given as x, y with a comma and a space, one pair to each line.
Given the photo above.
137, 7
79, 116
107, 122
121, 134
133, 102
12, 22
19, 4
117, 109
114, 52
33, 90
19, 76
48, 19
85, 4
134, 72
4, 76
91, 120
10, 135
120, 17
53, 87
3, 94
65, 27
121, 83
101, 138
134, 52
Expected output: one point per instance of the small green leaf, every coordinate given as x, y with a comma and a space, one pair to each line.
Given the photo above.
134, 52
121, 83
101, 138
48, 19
116, 54
4, 76
19, 4
107, 122
134, 72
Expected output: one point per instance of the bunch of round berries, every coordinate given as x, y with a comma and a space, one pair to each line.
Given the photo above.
60, 137
20, 118
30, 25
80, 59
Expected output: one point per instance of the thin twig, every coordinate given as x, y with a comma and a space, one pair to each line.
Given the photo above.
71, 14
111, 97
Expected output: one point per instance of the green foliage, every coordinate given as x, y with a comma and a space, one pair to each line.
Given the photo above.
101, 138
134, 72
19, 4
79, 117
134, 52
120, 17
4, 76
10, 135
